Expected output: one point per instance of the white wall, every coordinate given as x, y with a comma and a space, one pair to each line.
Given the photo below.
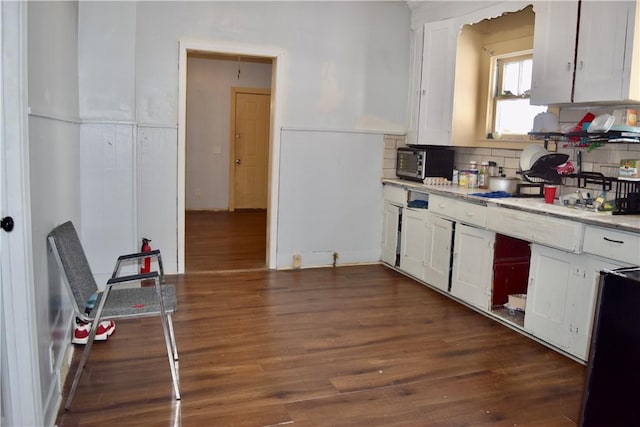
347, 70
314, 225
54, 174
209, 83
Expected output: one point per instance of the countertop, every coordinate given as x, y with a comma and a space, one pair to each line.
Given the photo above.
527, 204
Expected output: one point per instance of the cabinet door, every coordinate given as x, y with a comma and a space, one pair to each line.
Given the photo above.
554, 44
438, 76
600, 60
413, 242
472, 265
437, 258
583, 300
390, 222
413, 112
551, 276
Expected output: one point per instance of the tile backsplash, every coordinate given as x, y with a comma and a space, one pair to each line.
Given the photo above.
604, 159
391, 144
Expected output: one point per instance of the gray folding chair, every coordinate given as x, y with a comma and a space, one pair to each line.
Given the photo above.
116, 301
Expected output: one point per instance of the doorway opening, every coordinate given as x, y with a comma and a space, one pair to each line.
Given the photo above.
228, 156
227, 148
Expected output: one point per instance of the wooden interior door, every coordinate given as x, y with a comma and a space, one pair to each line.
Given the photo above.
250, 149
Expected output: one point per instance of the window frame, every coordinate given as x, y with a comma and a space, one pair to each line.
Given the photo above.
495, 83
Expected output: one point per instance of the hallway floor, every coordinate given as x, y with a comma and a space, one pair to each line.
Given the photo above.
225, 241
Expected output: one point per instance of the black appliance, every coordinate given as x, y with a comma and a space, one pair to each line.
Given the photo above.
612, 388
418, 162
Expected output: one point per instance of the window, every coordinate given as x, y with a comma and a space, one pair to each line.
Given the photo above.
512, 113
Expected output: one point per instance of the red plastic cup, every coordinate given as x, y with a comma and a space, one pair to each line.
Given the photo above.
549, 193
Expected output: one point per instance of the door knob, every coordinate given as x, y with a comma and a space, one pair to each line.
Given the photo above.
237, 161
7, 224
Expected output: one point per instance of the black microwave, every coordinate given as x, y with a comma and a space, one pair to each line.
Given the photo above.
417, 163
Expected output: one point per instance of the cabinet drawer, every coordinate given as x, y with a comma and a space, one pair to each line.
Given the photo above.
465, 212
395, 195
510, 222
558, 233
548, 231
612, 244
441, 205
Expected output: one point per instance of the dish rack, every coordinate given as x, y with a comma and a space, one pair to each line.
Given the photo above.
627, 197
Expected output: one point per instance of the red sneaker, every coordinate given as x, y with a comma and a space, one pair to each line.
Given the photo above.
82, 330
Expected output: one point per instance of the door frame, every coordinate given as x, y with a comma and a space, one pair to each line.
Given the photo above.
20, 374
232, 138
278, 89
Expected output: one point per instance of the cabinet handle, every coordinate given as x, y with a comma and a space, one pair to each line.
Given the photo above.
568, 66
613, 241
469, 213
580, 65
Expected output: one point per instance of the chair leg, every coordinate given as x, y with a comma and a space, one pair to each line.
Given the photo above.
170, 353
167, 326
83, 361
173, 338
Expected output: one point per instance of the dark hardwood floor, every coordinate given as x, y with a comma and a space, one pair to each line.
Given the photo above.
346, 346
221, 240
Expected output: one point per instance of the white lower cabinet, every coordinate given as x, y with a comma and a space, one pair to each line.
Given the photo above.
473, 265
414, 241
437, 257
584, 304
551, 274
561, 297
390, 237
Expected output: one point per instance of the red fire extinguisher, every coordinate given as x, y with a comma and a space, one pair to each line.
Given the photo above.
146, 263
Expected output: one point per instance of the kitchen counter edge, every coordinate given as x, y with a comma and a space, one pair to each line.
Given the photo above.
629, 223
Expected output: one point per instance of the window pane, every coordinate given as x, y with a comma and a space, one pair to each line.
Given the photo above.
525, 76
510, 78
515, 116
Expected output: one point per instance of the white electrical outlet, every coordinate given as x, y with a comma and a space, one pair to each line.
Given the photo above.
297, 261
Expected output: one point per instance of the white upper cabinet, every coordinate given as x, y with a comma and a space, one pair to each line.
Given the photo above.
415, 77
606, 58
554, 42
432, 80
605, 50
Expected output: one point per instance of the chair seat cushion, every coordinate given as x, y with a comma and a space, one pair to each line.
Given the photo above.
123, 302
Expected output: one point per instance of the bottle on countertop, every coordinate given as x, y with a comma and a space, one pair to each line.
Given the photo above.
454, 178
483, 176
463, 178
472, 178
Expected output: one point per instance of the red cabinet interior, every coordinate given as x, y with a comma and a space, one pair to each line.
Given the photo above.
511, 260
